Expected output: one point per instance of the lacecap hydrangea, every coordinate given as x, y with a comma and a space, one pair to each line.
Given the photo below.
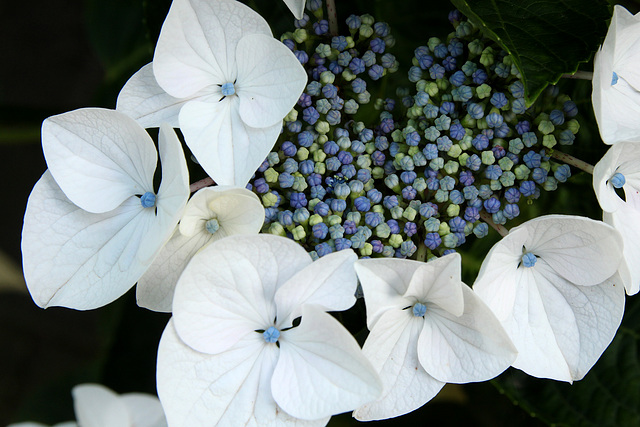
459, 150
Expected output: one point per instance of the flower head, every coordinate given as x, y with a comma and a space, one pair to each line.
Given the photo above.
94, 222
427, 328
218, 72
234, 352
616, 81
553, 284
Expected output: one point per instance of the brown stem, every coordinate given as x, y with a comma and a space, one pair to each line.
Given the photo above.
333, 17
486, 217
570, 160
205, 182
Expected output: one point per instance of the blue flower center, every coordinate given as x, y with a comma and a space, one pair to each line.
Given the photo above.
529, 259
614, 78
148, 200
212, 225
271, 335
228, 89
419, 309
617, 180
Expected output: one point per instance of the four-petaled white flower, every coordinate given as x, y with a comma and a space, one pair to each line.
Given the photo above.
427, 328
97, 406
94, 223
616, 79
553, 284
619, 168
211, 214
234, 353
220, 75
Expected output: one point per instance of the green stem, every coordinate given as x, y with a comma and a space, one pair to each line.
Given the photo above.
582, 75
421, 255
486, 217
572, 161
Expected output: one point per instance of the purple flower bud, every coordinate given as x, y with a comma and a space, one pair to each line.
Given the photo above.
432, 240
492, 205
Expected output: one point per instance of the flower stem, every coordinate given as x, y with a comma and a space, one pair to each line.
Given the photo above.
422, 253
333, 17
572, 161
205, 182
582, 75
486, 217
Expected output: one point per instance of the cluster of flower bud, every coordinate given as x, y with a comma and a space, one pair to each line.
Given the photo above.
464, 151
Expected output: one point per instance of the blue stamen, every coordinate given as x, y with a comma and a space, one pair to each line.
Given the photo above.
271, 335
212, 225
148, 200
419, 309
617, 180
614, 78
529, 259
228, 89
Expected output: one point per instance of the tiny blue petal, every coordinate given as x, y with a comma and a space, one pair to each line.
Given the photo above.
614, 78
529, 259
148, 200
271, 335
212, 225
228, 89
617, 180
419, 309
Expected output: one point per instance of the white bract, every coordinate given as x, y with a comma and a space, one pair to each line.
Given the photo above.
553, 284
220, 75
616, 79
620, 168
211, 214
427, 328
296, 7
93, 223
232, 353
98, 406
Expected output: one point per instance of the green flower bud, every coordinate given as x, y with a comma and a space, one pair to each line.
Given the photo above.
333, 220
321, 127
410, 213
314, 219
487, 58
366, 250
483, 91
271, 176
451, 167
522, 172
549, 141
319, 156
299, 184
495, 185
292, 116
444, 229
454, 151
546, 127
450, 241
366, 31
441, 196
573, 126
396, 212
453, 210
298, 233
302, 154
269, 200
432, 225
383, 230
505, 163
300, 35
488, 158
395, 240
323, 50
320, 168
507, 179
277, 229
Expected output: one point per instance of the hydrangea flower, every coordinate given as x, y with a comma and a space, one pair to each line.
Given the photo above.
98, 406
427, 328
218, 72
616, 80
94, 222
211, 214
619, 168
553, 284
235, 351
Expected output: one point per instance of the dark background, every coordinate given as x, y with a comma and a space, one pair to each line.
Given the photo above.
61, 55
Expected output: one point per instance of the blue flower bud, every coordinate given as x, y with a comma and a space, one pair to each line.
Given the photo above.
512, 195
474, 162
321, 27
449, 63
539, 175
475, 111
388, 60
480, 142
511, 211
415, 74
529, 260
492, 205
377, 45
436, 71
323, 248
357, 66
493, 172
528, 188
617, 180
570, 108
556, 117
479, 77
285, 180
305, 139
494, 120
519, 106
532, 159
261, 186
342, 243
432, 240
294, 127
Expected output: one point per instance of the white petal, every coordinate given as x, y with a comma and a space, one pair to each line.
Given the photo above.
583, 251
77, 259
467, 348
296, 7
231, 388
228, 288
270, 80
238, 211
623, 37
145, 410
329, 282
391, 347
627, 221
97, 406
438, 282
384, 282
98, 157
197, 44
145, 101
227, 149
172, 195
156, 287
321, 370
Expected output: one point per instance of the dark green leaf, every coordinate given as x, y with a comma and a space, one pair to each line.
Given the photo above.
546, 38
